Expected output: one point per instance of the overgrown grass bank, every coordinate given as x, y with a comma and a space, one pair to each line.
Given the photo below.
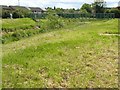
74, 57
16, 29
11, 25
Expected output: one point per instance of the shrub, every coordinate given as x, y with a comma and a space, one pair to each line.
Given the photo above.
53, 21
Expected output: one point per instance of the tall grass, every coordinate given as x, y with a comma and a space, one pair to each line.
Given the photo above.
16, 29
11, 25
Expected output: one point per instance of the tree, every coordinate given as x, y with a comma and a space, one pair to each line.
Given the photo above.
71, 10
48, 8
116, 12
99, 6
59, 10
84, 11
86, 7
53, 21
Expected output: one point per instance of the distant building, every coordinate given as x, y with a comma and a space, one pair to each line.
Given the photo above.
4, 7
36, 10
26, 11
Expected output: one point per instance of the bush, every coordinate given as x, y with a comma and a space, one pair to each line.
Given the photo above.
5, 14
53, 21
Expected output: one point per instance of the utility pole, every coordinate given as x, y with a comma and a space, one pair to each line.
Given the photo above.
19, 6
18, 2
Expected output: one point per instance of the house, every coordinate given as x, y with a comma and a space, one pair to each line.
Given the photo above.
24, 11
36, 10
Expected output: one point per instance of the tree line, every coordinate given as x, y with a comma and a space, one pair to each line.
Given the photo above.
88, 9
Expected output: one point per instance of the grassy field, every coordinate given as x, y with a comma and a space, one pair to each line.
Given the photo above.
77, 56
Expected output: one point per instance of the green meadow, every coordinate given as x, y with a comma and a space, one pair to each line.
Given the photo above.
79, 55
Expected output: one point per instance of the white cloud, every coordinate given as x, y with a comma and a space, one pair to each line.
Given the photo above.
8, 2
65, 6
112, 4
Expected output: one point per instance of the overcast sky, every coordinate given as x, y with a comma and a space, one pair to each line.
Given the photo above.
57, 3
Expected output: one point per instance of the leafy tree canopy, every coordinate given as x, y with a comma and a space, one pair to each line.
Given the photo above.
86, 7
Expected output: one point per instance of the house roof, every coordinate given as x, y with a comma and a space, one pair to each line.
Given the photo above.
18, 7
6, 7
35, 9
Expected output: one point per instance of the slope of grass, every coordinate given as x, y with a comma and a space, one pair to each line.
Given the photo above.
44, 25
14, 24
71, 57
